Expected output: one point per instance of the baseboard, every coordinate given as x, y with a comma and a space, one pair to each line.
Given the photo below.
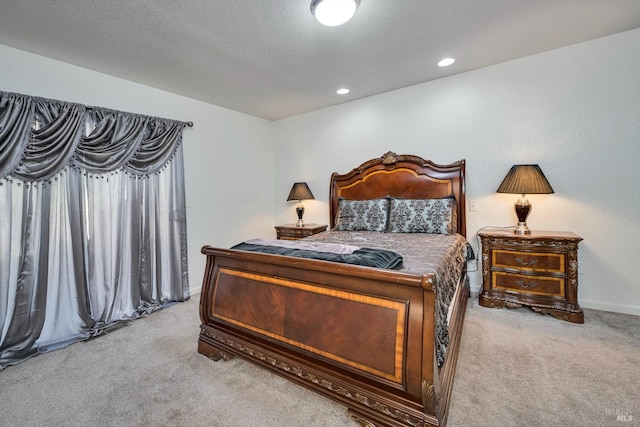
615, 308
475, 289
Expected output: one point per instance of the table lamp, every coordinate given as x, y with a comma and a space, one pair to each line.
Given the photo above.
523, 180
299, 192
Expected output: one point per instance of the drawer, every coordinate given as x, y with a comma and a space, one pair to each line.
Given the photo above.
295, 232
524, 283
291, 232
529, 261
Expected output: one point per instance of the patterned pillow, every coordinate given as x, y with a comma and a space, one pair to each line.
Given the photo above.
362, 215
434, 216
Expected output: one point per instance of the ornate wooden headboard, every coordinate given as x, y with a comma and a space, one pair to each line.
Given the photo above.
403, 176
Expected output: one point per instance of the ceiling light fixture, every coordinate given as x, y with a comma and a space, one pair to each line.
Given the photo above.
342, 91
446, 62
334, 12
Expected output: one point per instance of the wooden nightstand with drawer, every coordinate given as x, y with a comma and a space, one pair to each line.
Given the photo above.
538, 270
293, 232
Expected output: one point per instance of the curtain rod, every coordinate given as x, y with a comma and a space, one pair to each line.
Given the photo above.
90, 107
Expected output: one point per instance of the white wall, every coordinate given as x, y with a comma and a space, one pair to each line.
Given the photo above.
575, 111
226, 154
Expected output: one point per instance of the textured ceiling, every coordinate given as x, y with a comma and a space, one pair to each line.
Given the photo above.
271, 59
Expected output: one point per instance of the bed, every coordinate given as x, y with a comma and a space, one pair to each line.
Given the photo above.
382, 342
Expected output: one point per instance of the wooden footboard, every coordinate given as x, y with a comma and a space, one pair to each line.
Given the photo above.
361, 336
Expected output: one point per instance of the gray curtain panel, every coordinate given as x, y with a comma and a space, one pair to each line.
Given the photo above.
92, 221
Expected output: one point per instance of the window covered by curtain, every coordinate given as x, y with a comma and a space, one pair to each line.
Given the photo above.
92, 221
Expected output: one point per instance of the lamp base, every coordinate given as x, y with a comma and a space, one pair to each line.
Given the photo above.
523, 207
522, 229
300, 212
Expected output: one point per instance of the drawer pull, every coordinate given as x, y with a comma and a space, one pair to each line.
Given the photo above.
530, 262
524, 285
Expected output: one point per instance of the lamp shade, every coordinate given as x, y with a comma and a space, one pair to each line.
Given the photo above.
525, 179
300, 191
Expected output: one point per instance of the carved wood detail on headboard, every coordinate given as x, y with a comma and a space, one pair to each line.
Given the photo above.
402, 176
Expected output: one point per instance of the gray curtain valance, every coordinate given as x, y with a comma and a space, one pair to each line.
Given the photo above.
40, 137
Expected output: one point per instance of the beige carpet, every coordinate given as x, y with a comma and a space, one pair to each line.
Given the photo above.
520, 368
516, 368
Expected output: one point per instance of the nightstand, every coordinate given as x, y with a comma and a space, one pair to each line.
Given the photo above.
292, 232
538, 270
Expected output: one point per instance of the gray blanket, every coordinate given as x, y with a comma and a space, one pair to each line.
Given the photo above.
367, 257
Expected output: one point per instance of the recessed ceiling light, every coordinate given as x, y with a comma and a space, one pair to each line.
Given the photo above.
334, 12
342, 91
446, 62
